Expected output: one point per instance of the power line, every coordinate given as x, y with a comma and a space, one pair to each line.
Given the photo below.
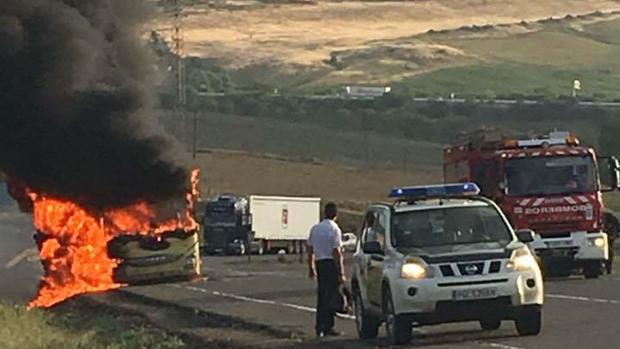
179, 54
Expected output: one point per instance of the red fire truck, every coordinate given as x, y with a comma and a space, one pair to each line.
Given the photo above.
551, 185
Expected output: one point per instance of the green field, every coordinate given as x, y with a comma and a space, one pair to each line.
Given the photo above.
520, 60
513, 80
539, 63
307, 141
78, 328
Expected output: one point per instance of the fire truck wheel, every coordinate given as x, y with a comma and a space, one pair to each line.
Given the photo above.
592, 270
557, 270
609, 263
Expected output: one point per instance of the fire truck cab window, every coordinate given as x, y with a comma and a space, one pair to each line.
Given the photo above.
551, 175
484, 174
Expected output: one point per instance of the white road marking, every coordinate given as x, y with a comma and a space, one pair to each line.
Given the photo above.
265, 301
257, 300
27, 254
299, 307
501, 346
583, 299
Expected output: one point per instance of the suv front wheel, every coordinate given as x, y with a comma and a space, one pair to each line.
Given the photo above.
367, 325
397, 327
490, 324
529, 321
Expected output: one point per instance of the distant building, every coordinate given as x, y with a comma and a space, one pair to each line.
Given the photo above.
366, 91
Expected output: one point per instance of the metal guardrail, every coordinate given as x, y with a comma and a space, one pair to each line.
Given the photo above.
499, 101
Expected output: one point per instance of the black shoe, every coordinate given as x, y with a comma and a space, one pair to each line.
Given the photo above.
332, 333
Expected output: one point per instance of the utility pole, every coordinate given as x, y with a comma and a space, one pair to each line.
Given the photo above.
180, 71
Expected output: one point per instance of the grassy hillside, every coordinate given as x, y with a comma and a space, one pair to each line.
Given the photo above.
471, 48
308, 141
543, 61
352, 187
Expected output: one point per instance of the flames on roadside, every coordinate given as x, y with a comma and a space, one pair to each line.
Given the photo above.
73, 241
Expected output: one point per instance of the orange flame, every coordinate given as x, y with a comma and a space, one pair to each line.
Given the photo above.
74, 248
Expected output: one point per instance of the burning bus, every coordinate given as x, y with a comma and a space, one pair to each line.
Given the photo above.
84, 152
171, 256
82, 251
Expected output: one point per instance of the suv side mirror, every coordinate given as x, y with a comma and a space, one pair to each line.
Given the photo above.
372, 247
525, 235
609, 169
614, 167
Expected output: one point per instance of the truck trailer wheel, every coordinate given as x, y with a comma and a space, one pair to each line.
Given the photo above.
260, 249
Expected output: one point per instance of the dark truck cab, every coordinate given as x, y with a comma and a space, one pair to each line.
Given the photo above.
227, 225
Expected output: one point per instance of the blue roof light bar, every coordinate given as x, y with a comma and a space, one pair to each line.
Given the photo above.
435, 191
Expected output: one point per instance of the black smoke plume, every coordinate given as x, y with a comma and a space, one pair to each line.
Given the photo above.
75, 119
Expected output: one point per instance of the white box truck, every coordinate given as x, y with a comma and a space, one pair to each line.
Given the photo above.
280, 222
270, 223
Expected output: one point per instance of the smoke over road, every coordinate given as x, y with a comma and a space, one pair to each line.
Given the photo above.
75, 108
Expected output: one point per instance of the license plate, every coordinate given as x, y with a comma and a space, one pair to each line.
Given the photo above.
561, 253
476, 293
553, 244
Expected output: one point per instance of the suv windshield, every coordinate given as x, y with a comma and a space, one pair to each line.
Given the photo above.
550, 175
450, 226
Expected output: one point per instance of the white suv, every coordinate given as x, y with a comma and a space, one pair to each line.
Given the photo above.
443, 254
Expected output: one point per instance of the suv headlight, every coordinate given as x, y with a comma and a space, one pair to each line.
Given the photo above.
522, 260
414, 269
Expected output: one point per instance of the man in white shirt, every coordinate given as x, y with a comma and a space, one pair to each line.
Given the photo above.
326, 264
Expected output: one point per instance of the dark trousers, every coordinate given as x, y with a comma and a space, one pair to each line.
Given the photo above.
327, 276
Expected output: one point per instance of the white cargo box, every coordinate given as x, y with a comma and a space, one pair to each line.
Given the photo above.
283, 218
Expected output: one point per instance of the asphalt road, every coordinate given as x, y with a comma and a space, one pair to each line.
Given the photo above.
19, 266
578, 313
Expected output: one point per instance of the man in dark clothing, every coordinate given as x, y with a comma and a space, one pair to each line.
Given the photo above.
326, 264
